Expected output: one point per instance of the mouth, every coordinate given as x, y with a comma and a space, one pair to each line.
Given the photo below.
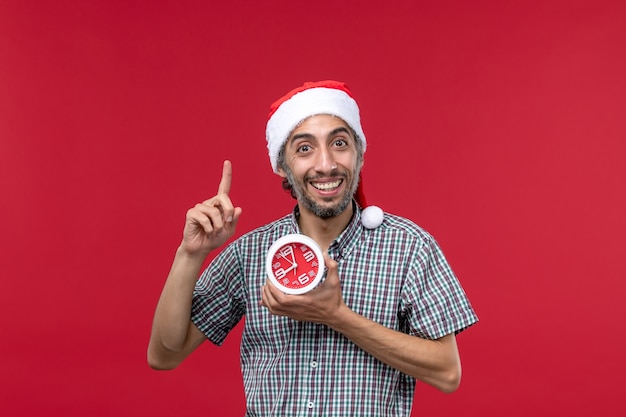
326, 186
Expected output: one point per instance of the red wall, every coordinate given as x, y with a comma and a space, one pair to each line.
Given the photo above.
499, 126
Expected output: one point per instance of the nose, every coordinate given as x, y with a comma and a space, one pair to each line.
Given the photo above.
325, 161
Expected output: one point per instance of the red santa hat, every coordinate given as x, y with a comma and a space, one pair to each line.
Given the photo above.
312, 98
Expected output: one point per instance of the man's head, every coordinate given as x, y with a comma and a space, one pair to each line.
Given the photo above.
323, 119
320, 164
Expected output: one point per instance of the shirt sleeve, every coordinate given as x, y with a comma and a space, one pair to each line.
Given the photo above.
218, 302
435, 304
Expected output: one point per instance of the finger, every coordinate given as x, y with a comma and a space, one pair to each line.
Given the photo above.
275, 297
223, 203
236, 213
264, 300
213, 221
331, 268
331, 264
208, 217
267, 298
227, 177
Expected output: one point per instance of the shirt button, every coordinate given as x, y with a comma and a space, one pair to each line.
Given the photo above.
309, 404
313, 364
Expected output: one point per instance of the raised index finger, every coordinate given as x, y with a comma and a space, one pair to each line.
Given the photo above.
227, 177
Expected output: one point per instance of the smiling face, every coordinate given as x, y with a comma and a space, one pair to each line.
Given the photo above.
322, 160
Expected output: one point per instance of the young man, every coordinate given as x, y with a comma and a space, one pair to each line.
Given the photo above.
385, 315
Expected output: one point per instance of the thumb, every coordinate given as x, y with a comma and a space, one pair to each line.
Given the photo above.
235, 219
331, 267
330, 262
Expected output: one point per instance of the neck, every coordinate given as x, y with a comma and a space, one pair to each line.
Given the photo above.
324, 231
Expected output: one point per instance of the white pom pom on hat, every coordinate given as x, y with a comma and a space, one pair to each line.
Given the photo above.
372, 217
313, 98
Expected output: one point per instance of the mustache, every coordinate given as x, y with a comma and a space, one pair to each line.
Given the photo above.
333, 174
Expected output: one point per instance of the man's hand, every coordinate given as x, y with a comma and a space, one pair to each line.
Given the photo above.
320, 305
211, 223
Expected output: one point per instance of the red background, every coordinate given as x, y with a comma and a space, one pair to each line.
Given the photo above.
499, 126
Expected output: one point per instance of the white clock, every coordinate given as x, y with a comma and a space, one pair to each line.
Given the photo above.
295, 264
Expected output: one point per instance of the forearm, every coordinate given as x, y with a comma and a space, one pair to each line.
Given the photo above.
170, 328
435, 362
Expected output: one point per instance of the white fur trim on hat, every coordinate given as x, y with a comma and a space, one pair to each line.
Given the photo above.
308, 103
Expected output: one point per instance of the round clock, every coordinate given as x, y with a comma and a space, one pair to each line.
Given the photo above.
295, 264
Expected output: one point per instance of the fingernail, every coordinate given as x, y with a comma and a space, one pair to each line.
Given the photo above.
229, 219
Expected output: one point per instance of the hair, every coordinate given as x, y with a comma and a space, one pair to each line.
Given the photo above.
280, 161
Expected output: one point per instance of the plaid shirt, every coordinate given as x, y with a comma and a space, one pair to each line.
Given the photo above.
395, 275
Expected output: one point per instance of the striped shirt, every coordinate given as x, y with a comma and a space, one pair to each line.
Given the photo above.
395, 275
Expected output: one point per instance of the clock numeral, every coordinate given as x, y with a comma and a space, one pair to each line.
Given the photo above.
286, 251
308, 255
280, 273
303, 279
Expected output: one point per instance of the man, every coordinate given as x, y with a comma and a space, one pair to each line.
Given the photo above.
385, 315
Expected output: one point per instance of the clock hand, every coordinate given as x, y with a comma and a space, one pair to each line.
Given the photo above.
293, 259
287, 259
293, 266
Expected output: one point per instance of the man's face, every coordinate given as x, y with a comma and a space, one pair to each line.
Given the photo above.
322, 165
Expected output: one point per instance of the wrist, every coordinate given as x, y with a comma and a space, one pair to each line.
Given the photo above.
341, 319
184, 253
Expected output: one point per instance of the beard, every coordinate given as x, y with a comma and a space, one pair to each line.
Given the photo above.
322, 211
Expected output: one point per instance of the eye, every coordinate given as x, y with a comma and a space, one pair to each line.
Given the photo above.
340, 142
303, 148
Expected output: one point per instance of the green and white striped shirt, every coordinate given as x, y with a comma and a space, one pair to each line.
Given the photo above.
395, 275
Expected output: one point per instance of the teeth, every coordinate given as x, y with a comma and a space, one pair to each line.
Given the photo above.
327, 185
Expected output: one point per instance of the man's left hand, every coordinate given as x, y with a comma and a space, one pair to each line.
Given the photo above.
319, 305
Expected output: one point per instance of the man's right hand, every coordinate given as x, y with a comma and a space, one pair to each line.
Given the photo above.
211, 223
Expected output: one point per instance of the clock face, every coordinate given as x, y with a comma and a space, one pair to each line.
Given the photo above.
295, 264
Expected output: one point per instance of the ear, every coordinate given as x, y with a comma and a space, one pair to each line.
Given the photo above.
281, 172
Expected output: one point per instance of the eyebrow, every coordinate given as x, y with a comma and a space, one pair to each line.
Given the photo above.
334, 132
